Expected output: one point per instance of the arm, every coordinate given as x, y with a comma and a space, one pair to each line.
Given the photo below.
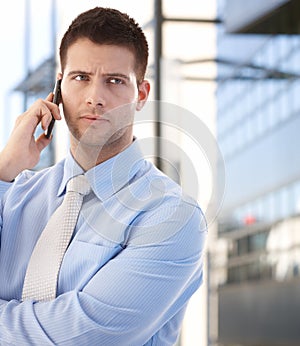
4, 186
22, 150
125, 303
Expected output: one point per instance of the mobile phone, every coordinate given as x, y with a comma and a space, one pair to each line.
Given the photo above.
56, 100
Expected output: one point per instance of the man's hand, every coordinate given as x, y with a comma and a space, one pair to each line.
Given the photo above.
22, 150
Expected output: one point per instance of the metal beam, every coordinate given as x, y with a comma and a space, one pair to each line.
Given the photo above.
157, 75
193, 20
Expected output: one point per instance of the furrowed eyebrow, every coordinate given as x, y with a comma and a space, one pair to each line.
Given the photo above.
117, 74
75, 72
121, 75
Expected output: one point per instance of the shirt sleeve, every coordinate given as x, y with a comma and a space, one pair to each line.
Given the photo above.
4, 186
125, 303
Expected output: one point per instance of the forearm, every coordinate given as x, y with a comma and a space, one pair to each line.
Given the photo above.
59, 322
70, 320
129, 300
101, 315
19, 325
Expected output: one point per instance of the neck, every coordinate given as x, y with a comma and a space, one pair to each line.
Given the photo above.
89, 156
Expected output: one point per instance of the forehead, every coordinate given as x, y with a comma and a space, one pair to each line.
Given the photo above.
90, 54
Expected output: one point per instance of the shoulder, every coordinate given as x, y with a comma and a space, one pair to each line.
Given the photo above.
165, 210
162, 192
30, 179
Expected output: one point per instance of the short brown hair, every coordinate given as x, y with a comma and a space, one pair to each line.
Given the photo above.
112, 27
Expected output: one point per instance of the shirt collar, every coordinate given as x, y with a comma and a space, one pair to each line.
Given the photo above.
71, 169
108, 177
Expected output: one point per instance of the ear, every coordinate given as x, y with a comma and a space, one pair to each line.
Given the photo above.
143, 90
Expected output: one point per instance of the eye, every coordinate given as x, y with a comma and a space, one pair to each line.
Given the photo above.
114, 80
81, 77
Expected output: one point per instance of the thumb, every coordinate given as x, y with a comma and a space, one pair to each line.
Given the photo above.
50, 97
42, 141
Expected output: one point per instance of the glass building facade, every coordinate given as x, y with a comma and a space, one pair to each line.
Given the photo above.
255, 266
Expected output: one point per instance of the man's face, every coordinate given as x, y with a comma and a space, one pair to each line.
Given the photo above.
100, 94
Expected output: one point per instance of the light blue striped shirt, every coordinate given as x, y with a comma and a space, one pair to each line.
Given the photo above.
133, 263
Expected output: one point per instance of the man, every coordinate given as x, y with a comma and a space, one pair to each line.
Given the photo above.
135, 257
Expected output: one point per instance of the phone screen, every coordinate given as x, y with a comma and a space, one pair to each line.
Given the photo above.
56, 100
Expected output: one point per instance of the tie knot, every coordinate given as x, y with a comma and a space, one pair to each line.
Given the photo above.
79, 184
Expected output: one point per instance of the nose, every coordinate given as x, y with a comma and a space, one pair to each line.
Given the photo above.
95, 95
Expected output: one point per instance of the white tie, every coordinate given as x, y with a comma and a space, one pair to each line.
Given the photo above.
42, 272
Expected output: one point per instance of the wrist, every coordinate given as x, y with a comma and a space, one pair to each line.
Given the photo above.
8, 171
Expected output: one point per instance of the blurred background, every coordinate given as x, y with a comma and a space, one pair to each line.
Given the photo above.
235, 66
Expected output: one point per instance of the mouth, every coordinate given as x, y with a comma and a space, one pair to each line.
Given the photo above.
93, 118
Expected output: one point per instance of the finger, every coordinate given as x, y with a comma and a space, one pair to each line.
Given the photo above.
42, 141
45, 122
50, 97
42, 112
54, 108
47, 118
50, 111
